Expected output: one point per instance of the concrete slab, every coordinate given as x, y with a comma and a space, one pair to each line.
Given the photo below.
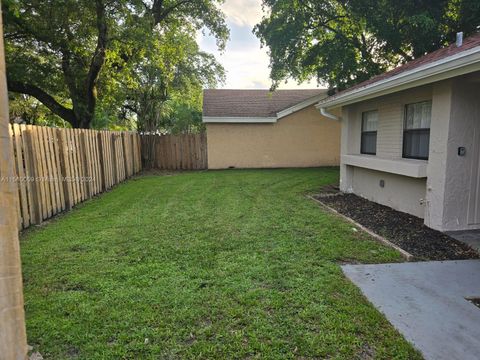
469, 237
426, 302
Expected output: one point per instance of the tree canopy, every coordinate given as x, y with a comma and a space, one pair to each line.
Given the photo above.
86, 60
343, 42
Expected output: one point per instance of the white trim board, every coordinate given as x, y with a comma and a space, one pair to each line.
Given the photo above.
463, 63
238, 119
302, 105
406, 167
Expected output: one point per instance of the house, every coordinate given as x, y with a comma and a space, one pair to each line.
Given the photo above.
411, 137
263, 129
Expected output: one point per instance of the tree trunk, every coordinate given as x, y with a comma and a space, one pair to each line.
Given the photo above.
83, 93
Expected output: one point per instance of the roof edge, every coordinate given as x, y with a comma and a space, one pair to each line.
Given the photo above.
238, 119
301, 105
468, 60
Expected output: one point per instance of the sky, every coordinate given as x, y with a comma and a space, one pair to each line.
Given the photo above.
245, 62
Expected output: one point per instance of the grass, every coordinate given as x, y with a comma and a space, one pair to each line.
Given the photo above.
213, 265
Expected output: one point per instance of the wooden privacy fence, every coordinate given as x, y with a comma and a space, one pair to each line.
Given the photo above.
58, 168
174, 152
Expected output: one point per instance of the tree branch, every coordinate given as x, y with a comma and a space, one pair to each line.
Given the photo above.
98, 59
159, 15
46, 99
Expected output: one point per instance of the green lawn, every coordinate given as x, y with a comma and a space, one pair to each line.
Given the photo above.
213, 265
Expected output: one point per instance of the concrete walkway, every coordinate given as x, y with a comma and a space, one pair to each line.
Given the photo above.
426, 302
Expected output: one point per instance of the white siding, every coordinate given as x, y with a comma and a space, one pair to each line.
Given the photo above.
390, 120
402, 193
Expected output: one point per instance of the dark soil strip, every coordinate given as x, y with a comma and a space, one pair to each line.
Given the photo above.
403, 230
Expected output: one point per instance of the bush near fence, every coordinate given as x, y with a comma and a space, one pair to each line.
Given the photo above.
58, 168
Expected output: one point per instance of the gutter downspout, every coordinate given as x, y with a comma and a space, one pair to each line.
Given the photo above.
325, 113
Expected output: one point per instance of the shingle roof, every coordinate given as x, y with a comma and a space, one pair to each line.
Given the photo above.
468, 43
252, 103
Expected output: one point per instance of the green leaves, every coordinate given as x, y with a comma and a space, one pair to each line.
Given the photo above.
80, 56
345, 42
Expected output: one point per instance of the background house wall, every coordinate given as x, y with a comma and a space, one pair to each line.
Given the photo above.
400, 192
302, 139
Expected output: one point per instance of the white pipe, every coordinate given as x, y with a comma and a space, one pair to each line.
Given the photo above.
325, 113
459, 41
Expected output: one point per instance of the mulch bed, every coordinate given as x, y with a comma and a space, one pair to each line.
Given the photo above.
404, 230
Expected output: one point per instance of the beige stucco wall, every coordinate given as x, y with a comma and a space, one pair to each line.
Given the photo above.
462, 210
402, 193
302, 139
453, 180
436, 171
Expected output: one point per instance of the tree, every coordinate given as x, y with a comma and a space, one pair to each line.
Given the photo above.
58, 51
344, 42
167, 82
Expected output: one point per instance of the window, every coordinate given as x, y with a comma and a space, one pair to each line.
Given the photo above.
369, 132
416, 130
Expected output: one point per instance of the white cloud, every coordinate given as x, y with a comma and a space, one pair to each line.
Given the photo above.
245, 62
243, 12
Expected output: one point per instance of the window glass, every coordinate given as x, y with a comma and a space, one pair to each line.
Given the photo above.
370, 120
368, 143
418, 115
416, 132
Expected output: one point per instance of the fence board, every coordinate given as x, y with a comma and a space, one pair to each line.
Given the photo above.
53, 173
23, 181
56, 169
28, 173
15, 176
64, 169
40, 173
58, 174
36, 172
173, 152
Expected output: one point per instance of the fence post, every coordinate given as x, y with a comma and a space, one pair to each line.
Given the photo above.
114, 159
37, 216
125, 161
86, 173
13, 339
204, 150
64, 169
102, 161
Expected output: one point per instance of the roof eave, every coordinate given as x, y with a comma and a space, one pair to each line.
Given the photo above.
300, 106
459, 64
260, 119
238, 120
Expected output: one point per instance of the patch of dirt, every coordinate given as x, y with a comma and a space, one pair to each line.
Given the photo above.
366, 353
329, 190
73, 352
404, 230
